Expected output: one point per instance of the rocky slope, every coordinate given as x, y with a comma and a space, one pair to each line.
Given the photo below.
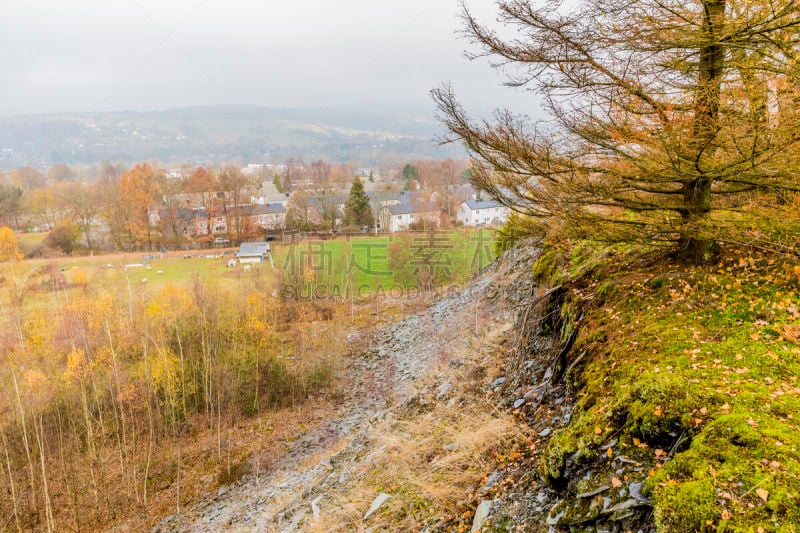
483, 352
298, 488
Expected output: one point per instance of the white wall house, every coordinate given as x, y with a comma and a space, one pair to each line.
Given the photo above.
399, 217
269, 216
482, 212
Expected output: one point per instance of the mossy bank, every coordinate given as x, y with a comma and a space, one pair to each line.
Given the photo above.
684, 382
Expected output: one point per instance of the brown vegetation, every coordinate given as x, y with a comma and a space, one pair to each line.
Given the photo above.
114, 402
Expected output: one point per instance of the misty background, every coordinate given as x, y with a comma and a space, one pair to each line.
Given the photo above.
341, 79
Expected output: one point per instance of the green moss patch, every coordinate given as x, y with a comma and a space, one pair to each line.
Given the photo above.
694, 371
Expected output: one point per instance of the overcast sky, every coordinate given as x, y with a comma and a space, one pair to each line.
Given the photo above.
101, 55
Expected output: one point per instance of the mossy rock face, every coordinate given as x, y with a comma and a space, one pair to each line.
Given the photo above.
553, 463
546, 266
688, 507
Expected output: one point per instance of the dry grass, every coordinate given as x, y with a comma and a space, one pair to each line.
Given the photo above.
428, 463
429, 455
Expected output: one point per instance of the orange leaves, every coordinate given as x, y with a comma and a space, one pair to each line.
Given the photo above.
790, 333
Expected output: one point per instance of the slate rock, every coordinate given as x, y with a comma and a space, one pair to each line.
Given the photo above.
379, 500
481, 514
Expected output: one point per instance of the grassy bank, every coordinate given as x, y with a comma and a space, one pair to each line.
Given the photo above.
694, 372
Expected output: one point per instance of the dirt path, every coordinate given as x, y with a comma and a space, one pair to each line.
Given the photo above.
318, 464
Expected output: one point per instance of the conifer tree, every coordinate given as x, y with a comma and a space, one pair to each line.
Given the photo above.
358, 212
669, 118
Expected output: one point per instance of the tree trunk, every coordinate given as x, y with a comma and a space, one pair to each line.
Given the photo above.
694, 247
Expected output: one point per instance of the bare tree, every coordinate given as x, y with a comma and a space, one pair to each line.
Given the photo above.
236, 186
321, 173
668, 117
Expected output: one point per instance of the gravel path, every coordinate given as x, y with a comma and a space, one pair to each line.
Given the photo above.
318, 464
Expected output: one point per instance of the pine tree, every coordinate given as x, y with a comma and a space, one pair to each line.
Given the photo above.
670, 118
357, 209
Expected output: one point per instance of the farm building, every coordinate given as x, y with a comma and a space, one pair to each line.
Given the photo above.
254, 252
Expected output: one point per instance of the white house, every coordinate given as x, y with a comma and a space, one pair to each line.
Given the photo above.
399, 217
269, 216
482, 212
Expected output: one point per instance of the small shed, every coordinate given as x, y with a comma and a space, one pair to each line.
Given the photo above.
253, 252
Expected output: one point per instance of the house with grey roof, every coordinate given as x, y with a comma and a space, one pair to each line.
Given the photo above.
268, 216
476, 212
400, 216
271, 195
254, 252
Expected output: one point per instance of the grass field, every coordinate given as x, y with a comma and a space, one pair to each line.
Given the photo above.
363, 264
29, 241
370, 264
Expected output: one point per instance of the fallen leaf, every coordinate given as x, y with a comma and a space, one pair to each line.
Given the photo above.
610, 452
615, 482
763, 494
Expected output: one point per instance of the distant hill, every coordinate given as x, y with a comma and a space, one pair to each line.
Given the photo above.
219, 133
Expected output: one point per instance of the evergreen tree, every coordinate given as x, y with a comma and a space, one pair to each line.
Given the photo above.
357, 209
410, 174
670, 118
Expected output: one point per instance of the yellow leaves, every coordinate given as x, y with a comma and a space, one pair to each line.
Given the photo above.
80, 278
598, 430
165, 372
170, 304
9, 250
81, 366
38, 330
658, 411
77, 366
36, 389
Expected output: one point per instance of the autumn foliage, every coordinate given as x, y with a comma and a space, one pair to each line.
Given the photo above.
100, 391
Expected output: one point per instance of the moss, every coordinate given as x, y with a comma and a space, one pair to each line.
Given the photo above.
553, 462
546, 266
693, 365
605, 290
690, 507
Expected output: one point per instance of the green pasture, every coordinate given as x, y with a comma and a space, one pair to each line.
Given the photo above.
361, 264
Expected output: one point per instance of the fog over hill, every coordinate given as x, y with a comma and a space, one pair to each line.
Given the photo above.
221, 133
